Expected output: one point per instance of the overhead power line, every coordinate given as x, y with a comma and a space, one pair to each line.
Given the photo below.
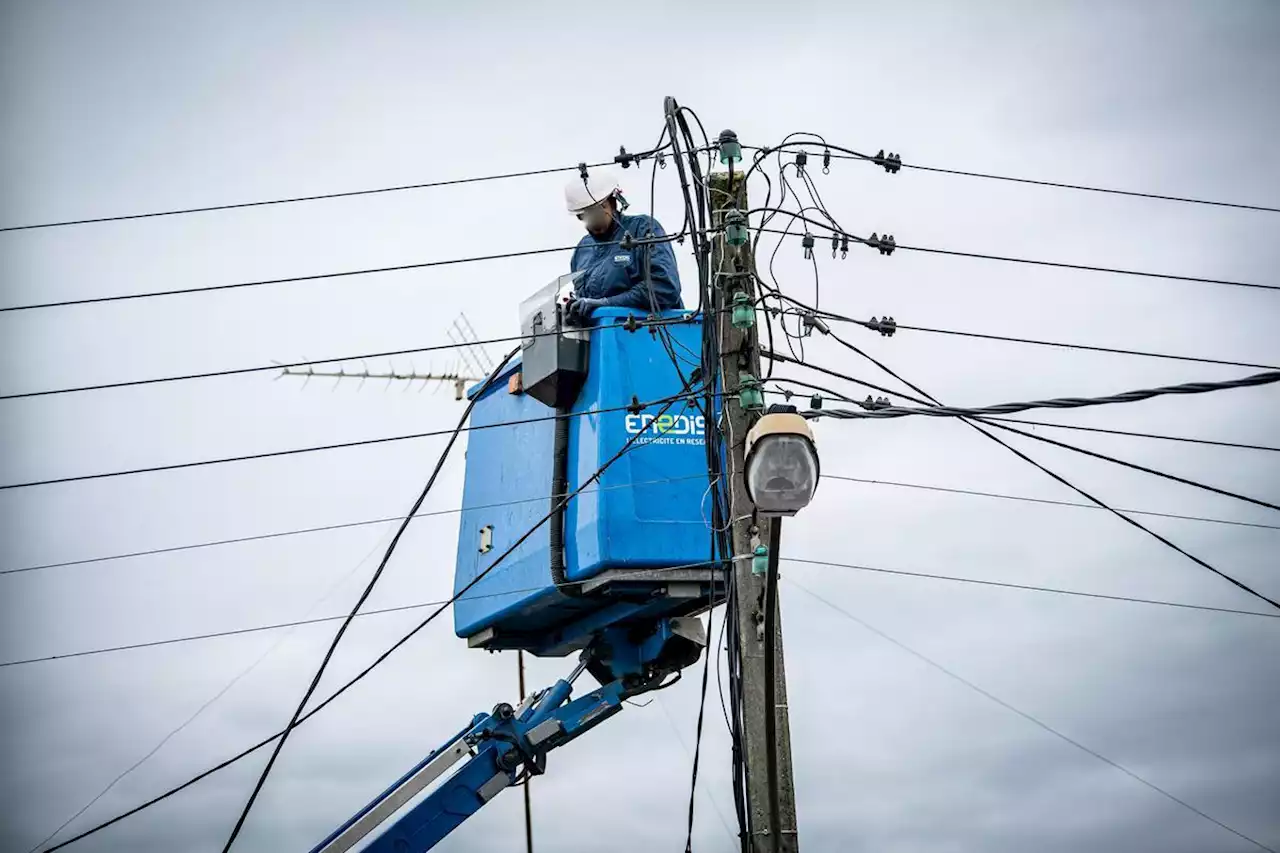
1132, 465
835, 395
364, 596
892, 326
325, 528
1053, 184
276, 626
1132, 434
887, 248
1108, 190
1045, 501
1034, 720
188, 638
1029, 587
317, 448
274, 366
239, 285
1088, 267
303, 531
212, 288
1265, 378
382, 657
980, 426
297, 199
992, 422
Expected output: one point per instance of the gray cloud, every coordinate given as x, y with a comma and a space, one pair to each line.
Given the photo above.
139, 106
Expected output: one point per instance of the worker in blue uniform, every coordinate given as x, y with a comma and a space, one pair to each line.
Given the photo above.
643, 277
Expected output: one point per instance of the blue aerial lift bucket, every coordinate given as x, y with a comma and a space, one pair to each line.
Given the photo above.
637, 542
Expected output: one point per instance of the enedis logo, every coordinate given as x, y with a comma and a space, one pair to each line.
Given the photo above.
667, 429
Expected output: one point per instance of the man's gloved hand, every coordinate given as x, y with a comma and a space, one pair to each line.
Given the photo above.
578, 311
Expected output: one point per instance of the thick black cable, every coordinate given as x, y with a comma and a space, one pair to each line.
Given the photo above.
1132, 434
764, 152
213, 288
1032, 588
277, 626
1077, 744
719, 540
976, 424
272, 454
697, 740
777, 356
1185, 388
1137, 395
1160, 436
695, 221
1130, 521
185, 291
213, 635
1032, 261
320, 529
766, 291
770, 626
454, 511
627, 445
1064, 186
296, 199
1087, 267
1173, 477
668, 342
364, 596
1048, 502
241, 371
1134, 466
821, 389
1062, 345
1063, 403
836, 395
1107, 190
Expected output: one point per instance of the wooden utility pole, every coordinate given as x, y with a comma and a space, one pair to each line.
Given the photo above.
766, 728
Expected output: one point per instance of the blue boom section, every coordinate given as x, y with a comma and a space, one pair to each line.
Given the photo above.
500, 749
645, 512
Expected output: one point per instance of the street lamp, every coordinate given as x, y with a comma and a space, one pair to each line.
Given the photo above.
782, 463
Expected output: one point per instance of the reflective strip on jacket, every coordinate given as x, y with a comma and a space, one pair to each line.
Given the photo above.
617, 276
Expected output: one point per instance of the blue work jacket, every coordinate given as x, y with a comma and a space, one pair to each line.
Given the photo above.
618, 276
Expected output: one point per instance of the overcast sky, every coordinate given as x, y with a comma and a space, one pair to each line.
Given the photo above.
124, 107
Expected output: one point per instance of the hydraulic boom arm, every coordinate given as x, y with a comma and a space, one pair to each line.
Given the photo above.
505, 747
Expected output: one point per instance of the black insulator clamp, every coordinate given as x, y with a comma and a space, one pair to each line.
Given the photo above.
826, 162
635, 408
808, 243
886, 326
802, 158
582, 171
835, 244
891, 162
815, 402
624, 158
885, 245
844, 246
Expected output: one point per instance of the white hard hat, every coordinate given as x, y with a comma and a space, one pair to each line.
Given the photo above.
599, 185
